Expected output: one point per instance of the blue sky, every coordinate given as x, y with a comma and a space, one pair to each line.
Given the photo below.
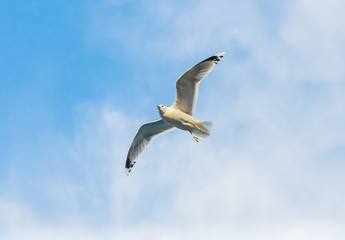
79, 77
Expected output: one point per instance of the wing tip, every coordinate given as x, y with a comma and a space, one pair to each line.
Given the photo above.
220, 54
127, 171
129, 165
218, 57
215, 58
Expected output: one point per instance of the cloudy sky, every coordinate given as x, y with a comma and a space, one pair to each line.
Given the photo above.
79, 77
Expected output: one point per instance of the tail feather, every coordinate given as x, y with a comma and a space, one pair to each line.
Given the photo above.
206, 126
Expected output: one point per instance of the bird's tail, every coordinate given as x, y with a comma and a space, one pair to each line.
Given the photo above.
204, 129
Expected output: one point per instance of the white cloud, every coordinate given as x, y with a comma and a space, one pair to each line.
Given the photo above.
315, 32
267, 186
176, 30
271, 169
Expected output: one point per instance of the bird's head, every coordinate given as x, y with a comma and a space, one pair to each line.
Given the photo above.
161, 109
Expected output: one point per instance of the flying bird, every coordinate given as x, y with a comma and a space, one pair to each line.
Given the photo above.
179, 114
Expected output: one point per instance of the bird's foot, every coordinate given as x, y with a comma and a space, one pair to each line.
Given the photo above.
196, 138
202, 130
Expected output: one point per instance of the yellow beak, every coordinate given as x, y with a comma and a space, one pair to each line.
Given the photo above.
157, 106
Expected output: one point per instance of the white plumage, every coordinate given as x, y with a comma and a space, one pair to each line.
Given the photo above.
180, 114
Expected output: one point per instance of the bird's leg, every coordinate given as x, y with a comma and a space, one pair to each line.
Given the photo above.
203, 131
195, 138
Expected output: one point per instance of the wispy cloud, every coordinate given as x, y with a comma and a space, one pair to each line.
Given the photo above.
271, 169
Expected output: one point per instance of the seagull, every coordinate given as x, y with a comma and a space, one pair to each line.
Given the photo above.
179, 114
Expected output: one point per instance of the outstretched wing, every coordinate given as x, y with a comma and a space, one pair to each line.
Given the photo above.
144, 135
187, 85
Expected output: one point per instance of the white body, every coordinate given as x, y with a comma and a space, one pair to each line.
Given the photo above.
180, 114
178, 119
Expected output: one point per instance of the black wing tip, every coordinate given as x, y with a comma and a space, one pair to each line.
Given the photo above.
129, 165
215, 58
128, 170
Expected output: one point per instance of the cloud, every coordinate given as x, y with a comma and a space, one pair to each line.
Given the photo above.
270, 170
281, 101
174, 29
276, 187
314, 34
